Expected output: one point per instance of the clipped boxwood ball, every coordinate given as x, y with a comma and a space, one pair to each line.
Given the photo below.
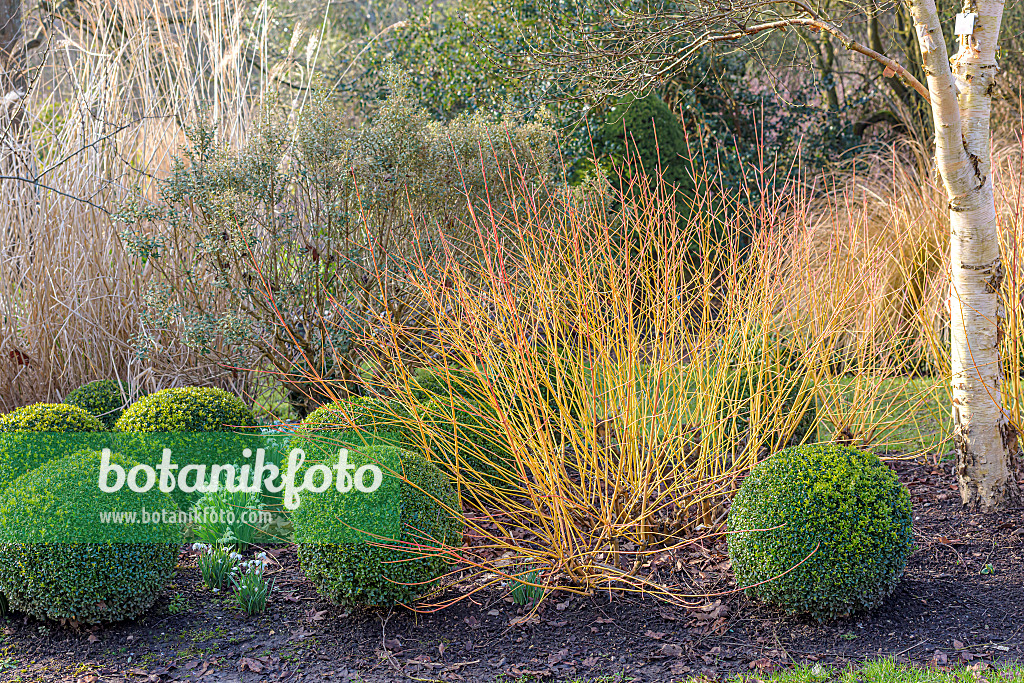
463, 436
186, 409
361, 574
844, 503
50, 417
104, 398
358, 421
58, 562
35, 434
201, 426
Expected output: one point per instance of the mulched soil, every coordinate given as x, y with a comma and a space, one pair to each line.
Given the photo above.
961, 601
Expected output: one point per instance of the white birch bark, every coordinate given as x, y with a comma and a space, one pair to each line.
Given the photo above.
986, 445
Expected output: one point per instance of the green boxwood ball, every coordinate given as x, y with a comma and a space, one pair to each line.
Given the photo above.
104, 398
57, 561
199, 425
186, 409
358, 421
35, 434
465, 436
50, 417
429, 383
361, 574
821, 530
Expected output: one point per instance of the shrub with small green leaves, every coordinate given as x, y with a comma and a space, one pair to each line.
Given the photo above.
429, 383
385, 573
467, 436
822, 530
186, 409
200, 425
357, 421
49, 417
57, 561
35, 434
104, 398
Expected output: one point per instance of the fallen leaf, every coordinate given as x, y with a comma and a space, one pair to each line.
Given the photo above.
671, 650
300, 634
763, 664
472, 621
314, 615
393, 644
653, 635
94, 638
525, 620
556, 657
958, 645
248, 664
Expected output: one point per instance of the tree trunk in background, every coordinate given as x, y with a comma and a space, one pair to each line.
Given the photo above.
12, 71
12, 48
987, 448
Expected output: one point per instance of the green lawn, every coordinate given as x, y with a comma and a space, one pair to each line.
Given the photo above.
887, 671
879, 671
910, 415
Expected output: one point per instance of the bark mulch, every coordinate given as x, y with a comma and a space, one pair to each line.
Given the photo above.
961, 602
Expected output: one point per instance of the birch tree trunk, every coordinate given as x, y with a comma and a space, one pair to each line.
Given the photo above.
987, 447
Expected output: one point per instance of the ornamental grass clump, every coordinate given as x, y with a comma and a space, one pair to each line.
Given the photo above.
381, 572
821, 530
57, 561
104, 398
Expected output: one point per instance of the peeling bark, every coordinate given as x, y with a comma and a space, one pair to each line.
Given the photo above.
960, 88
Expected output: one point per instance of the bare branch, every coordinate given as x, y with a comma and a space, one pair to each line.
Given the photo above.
632, 51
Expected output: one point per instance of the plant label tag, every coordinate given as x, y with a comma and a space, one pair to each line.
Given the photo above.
965, 24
